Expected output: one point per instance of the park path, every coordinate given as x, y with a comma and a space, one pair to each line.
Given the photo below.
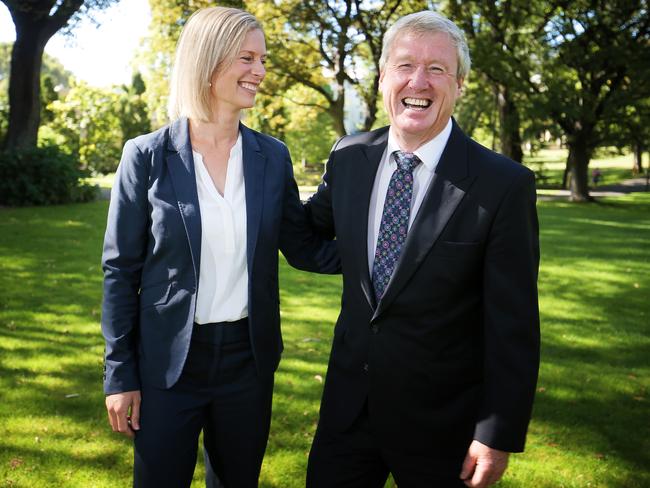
616, 190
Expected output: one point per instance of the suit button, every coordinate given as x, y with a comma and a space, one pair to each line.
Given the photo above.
375, 329
365, 367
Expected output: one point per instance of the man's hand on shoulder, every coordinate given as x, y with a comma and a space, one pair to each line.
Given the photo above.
124, 412
483, 466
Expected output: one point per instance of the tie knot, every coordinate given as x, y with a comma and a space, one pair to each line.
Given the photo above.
406, 161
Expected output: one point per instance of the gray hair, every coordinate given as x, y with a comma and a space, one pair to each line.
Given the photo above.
428, 22
210, 41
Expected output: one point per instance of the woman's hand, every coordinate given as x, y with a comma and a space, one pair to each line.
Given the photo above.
124, 412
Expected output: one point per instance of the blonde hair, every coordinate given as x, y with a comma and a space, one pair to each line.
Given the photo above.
210, 40
428, 22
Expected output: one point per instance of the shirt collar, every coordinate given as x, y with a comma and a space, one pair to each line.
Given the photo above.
429, 152
235, 151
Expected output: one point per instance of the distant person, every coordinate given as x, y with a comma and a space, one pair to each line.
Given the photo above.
596, 176
436, 350
190, 314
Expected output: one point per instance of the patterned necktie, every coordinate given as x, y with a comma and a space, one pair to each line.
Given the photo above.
394, 220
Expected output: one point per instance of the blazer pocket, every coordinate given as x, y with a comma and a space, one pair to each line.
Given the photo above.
155, 295
456, 249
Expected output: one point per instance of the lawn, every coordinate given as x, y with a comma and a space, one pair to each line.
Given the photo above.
549, 164
591, 419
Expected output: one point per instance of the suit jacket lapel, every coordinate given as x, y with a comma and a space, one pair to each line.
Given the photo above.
445, 192
364, 181
254, 167
181, 169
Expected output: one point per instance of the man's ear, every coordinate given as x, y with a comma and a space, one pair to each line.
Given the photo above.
459, 86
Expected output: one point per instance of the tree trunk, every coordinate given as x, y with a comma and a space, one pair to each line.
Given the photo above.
578, 169
337, 112
637, 168
25, 88
509, 125
371, 103
35, 21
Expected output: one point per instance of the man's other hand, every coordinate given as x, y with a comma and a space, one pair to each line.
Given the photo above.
483, 466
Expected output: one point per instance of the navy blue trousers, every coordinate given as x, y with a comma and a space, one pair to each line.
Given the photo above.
219, 392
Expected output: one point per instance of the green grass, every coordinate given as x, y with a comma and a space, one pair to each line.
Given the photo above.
590, 426
549, 165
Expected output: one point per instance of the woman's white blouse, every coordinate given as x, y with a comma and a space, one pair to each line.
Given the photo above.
223, 276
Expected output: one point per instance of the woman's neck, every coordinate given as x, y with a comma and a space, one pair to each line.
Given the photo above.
216, 133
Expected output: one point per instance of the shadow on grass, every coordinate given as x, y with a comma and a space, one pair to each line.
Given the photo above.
593, 398
594, 283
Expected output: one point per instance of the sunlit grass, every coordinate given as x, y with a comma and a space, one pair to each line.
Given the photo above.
103, 181
549, 165
590, 425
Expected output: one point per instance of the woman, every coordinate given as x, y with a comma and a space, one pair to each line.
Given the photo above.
190, 316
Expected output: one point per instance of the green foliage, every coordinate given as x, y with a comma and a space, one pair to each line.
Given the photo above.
55, 80
576, 70
330, 47
87, 123
310, 136
41, 176
94, 123
308, 133
133, 111
589, 424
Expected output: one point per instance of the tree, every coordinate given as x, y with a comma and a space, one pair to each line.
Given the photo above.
94, 123
632, 129
595, 64
502, 39
637, 127
330, 47
134, 115
55, 81
36, 21
476, 110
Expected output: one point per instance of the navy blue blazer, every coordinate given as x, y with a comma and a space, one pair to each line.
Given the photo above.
152, 250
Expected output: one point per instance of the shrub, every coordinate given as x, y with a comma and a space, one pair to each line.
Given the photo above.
42, 176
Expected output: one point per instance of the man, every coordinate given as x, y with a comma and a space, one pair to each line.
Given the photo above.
436, 350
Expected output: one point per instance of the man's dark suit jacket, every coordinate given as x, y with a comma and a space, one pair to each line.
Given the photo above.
152, 250
451, 351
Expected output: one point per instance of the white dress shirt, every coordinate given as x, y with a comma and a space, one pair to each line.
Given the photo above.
223, 275
429, 154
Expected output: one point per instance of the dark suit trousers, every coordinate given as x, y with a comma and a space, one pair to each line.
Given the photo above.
218, 392
358, 458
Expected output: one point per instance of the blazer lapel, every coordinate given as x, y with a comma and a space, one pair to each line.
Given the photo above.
445, 192
363, 184
254, 167
181, 169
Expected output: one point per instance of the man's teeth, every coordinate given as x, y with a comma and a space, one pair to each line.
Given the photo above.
417, 102
249, 86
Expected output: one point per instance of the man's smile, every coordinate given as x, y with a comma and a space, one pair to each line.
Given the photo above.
416, 103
